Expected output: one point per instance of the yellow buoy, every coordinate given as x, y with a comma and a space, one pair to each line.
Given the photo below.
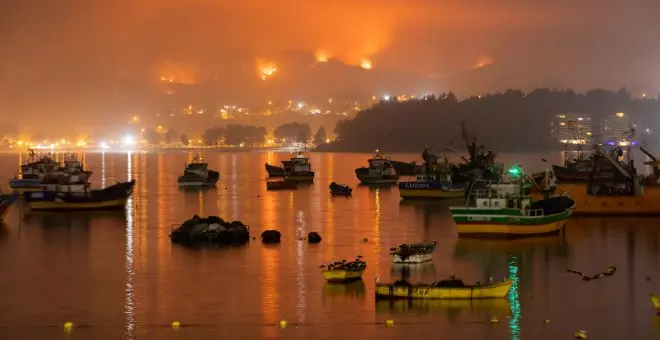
494, 320
389, 323
282, 323
176, 324
581, 334
68, 326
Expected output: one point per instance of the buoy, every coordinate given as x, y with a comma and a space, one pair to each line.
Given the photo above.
494, 320
581, 334
68, 326
176, 324
389, 323
546, 321
282, 323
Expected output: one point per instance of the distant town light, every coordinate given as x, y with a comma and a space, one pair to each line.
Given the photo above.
366, 64
386, 97
619, 114
104, 145
129, 140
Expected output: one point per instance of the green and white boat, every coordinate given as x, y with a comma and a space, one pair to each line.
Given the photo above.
507, 209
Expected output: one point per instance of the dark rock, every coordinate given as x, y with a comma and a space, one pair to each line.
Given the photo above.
271, 236
213, 229
313, 237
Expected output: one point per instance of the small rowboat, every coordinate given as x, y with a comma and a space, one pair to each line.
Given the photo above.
413, 253
451, 288
340, 189
344, 271
655, 300
281, 185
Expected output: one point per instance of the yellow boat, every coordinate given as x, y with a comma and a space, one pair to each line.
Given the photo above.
493, 306
632, 205
655, 300
445, 289
344, 271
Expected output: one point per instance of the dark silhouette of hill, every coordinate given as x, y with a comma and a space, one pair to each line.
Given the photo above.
509, 121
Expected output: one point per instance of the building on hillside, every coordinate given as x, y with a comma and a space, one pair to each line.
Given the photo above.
572, 128
616, 129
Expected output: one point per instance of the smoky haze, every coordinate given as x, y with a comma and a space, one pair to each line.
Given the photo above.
73, 64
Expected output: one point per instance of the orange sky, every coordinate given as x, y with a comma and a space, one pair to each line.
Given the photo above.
69, 55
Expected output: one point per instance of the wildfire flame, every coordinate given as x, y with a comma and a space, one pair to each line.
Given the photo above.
267, 71
366, 64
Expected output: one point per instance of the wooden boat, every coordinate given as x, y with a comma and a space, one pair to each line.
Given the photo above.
197, 174
413, 253
451, 288
400, 306
343, 271
298, 168
5, 202
281, 185
80, 197
655, 301
380, 171
275, 171
340, 189
506, 209
435, 182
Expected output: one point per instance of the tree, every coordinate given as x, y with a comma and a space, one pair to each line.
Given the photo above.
213, 136
184, 139
320, 136
300, 133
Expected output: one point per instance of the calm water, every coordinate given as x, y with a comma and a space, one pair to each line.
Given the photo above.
117, 276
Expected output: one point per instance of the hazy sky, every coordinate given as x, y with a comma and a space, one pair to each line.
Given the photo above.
76, 57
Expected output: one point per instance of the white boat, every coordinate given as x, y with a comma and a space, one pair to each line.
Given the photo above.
413, 253
380, 171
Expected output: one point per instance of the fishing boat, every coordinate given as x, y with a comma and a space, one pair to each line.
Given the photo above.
413, 252
197, 174
435, 182
282, 184
406, 168
340, 189
451, 288
5, 202
79, 196
297, 168
480, 163
655, 301
343, 271
380, 171
35, 173
506, 209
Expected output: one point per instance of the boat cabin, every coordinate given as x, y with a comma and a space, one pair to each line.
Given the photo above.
503, 195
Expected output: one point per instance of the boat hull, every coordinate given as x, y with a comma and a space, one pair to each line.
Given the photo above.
655, 301
23, 185
203, 184
378, 179
430, 190
485, 222
492, 291
590, 205
281, 185
274, 171
300, 177
418, 258
342, 275
5, 202
114, 197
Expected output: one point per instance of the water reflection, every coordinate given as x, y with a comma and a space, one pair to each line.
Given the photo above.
485, 307
129, 308
405, 271
344, 290
514, 299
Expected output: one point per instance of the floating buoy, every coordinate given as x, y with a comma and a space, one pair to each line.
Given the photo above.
68, 326
546, 321
176, 324
581, 334
494, 320
389, 323
282, 323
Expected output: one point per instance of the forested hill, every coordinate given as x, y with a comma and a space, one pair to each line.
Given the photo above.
510, 121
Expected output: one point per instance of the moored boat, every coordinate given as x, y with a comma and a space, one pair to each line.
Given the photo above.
197, 174
79, 197
45, 170
298, 168
343, 271
451, 288
5, 202
413, 252
340, 189
506, 209
275, 171
380, 171
281, 185
435, 182
406, 168
655, 301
